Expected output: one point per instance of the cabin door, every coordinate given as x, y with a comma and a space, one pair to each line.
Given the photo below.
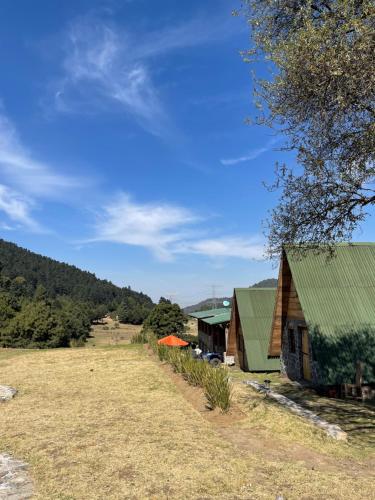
306, 369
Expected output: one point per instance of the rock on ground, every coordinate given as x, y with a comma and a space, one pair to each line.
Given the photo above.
15, 483
7, 393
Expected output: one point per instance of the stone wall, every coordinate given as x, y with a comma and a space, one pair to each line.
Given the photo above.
291, 363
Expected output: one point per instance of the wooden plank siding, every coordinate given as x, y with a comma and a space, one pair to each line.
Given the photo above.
294, 310
234, 320
283, 286
287, 306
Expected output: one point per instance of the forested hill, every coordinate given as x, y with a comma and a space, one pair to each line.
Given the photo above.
60, 279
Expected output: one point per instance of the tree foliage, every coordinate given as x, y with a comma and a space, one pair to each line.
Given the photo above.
321, 94
132, 311
26, 274
40, 322
337, 356
37, 325
166, 319
44, 303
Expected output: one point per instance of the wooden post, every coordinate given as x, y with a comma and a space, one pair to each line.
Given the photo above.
359, 378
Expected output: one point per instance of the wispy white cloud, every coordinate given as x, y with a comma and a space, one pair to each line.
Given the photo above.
17, 208
251, 155
100, 64
227, 246
25, 179
105, 66
22, 170
154, 226
167, 231
193, 32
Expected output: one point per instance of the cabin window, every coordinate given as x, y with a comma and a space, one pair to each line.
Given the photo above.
292, 340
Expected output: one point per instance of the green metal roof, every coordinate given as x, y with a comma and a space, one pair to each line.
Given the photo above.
208, 313
337, 292
220, 318
255, 309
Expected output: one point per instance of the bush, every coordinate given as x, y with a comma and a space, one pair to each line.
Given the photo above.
139, 338
177, 359
77, 342
215, 381
218, 389
196, 372
105, 327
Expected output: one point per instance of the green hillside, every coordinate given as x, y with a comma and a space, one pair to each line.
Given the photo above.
45, 303
60, 279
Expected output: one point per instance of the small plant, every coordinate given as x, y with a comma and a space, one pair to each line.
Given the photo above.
77, 342
140, 338
116, 325
196, 372
105, 327
177, 359
218, 389
162, 351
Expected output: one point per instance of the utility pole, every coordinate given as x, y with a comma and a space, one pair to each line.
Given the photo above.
214, 303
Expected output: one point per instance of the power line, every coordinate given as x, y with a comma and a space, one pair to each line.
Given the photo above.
214, 299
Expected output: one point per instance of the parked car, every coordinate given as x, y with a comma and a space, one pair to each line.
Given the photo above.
214, 358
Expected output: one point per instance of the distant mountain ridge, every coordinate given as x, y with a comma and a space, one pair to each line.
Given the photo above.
267, 283
218, 302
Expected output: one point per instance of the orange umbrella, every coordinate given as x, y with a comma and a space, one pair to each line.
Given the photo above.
173, 341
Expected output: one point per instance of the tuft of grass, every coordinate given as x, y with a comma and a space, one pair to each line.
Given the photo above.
77, 342
218, 388
196, 372
139, 338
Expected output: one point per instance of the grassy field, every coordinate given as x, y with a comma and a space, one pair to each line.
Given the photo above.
109, 422
105, 333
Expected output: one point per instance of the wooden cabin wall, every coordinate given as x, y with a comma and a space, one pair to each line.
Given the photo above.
294, 309
234, 319
281, 306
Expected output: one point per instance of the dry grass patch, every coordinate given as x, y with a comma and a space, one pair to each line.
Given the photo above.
105, 333
108, 423
357, 419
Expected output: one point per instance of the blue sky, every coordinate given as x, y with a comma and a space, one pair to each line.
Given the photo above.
123, 148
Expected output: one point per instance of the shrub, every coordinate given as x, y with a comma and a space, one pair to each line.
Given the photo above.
162, 351
177, 359
218, 389
215, 381
152, 340
80, 342
105, 327
196, 372
139, 338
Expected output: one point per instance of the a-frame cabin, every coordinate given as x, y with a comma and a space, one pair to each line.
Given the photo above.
250, 329
321, 294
